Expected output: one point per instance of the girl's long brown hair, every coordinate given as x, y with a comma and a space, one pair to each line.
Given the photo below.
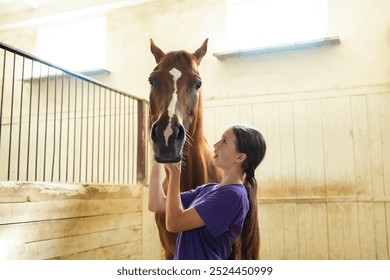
251, 142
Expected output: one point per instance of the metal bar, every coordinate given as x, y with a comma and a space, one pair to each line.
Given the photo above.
74, 130
38, 111
119, 138
61, 122
46, 124
11, 119
54, 127
93, 133
29, 122
68, 135
86, 140
129, 180
20, 119
104, 138
115, 144
81, 126
141, 144
124, 142
109, 140
134, 175
68, 72
2, 95
98, 137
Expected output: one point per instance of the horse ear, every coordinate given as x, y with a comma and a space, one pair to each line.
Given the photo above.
156, 51
199, 53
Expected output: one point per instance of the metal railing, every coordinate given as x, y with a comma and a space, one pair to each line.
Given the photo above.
60, 126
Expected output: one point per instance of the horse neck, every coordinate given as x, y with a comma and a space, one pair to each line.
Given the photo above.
198, 167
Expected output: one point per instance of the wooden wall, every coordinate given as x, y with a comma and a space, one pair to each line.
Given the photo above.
53, 221
324, 186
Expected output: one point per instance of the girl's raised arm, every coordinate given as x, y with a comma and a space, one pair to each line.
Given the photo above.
157, 198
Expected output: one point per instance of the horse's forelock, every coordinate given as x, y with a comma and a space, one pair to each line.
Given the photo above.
180, 59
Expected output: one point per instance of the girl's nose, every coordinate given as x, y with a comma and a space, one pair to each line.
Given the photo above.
216, 145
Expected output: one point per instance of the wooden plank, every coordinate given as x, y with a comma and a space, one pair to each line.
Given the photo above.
273, 148
276, 97
315, 150
15, 234
265, 232
55, 248
361, 146
290, 228
367, 231
276, 226
209, 129
336, 236
381, 232
259, 118
126, 251
338, 147
320, 231
35, 191
46, 210
287, 149
331, 157
230, 116
387, 206
262, 172
305, 231
385, 132
246, 114
351, 231
345, 150
302, 153
375, 145
151, 245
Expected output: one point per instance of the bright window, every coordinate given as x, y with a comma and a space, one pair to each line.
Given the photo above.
259, 23
77, 47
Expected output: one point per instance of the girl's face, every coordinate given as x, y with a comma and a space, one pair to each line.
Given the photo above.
225, 151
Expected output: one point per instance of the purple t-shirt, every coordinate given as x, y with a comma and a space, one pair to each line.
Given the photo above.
223, 210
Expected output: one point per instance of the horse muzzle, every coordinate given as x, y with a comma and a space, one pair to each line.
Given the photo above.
168, 148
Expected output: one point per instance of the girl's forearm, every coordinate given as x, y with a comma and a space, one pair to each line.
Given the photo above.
174, 207
157, 198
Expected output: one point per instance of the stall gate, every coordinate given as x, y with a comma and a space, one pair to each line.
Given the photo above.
73, 163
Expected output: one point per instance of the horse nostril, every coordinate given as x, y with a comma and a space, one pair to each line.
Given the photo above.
181, 132
153, 133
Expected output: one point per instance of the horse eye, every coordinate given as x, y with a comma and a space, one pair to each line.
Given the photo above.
198, 84
152, 81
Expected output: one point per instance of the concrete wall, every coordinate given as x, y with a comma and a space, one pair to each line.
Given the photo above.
361, 59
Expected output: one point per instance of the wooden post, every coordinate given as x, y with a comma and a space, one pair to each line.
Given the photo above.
142, 141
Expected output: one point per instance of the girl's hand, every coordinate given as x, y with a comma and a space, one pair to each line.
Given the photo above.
173, 168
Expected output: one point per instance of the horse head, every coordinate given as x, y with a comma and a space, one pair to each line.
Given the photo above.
175, 87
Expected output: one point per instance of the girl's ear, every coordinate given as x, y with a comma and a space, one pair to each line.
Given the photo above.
241, 158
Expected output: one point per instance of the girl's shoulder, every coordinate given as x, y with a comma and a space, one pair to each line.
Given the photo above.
207, 187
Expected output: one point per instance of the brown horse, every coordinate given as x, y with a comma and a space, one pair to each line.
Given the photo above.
176, 124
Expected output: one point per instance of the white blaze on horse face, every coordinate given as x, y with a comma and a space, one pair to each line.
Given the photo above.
176, 74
